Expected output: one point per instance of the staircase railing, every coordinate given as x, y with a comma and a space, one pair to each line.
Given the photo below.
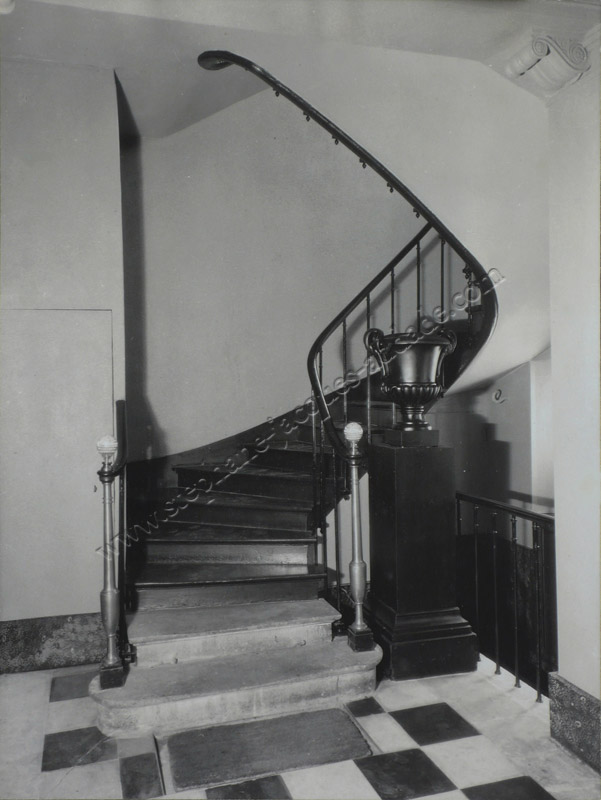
480, 283
477, 303
507, 585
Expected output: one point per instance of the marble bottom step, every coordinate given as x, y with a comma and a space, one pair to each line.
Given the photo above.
172, 636
236, 688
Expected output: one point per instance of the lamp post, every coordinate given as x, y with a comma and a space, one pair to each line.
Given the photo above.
112, 671
360, 636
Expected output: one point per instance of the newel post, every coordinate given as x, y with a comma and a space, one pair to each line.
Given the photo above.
112, 670
360, 636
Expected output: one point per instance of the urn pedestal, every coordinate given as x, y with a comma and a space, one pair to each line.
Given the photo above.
412, 603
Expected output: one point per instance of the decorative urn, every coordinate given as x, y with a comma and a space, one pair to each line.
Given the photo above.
411, 365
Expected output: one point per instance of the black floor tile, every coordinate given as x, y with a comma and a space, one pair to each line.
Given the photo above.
75, 748
271, 787
68, 687
434, 723
140, 777
362, 708
513, 789
404, 775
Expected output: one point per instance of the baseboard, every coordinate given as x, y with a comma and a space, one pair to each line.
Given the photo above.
51, 642
575, 720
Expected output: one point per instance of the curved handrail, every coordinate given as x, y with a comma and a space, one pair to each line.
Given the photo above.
219, 59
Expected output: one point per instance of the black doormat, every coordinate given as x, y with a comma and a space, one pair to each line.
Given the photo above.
225, 753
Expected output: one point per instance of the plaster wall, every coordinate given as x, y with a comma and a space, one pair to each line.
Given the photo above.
257, 230
490, 431
574, 272
61, 336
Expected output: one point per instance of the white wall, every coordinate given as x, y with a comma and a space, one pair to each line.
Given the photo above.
257, 230
574, 270
61, 337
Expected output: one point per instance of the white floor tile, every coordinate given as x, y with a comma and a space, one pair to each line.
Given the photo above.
20, 781
92, 782
189, 794
341, 781
68, 715
590, 790
471, 761
386, 733
23, 706
445, 796
394, 695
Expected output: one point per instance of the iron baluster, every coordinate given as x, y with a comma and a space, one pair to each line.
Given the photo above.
514, 560
496, 598
476, 525
344, 371
392, 321
537, 559
368, 320
467, 271
419, 287
315, 471
320, 461
442, 288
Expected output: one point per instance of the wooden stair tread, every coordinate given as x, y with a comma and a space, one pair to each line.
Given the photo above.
255, 470
185, 574
237, 499
241, 534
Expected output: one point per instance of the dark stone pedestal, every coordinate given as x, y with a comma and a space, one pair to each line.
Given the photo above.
360, 640
112, 677
412, 604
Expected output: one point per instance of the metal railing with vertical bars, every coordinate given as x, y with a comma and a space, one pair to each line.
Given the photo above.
507, 587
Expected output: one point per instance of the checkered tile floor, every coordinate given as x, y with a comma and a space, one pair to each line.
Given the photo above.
454, 737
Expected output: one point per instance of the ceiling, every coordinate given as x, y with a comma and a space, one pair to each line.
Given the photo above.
153, 44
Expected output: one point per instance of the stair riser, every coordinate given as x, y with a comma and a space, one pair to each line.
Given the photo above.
252, 640
209, 552
238, 515
262, 486
193, 712
227, 594
290, 459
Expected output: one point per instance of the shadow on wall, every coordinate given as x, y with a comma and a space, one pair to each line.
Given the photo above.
482, 461
145, 437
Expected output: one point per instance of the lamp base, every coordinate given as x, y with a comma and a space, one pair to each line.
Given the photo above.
359, 641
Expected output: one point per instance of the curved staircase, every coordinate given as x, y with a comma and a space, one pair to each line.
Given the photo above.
227, 595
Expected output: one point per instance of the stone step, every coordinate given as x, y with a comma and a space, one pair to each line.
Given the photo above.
172, 636
235, 688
